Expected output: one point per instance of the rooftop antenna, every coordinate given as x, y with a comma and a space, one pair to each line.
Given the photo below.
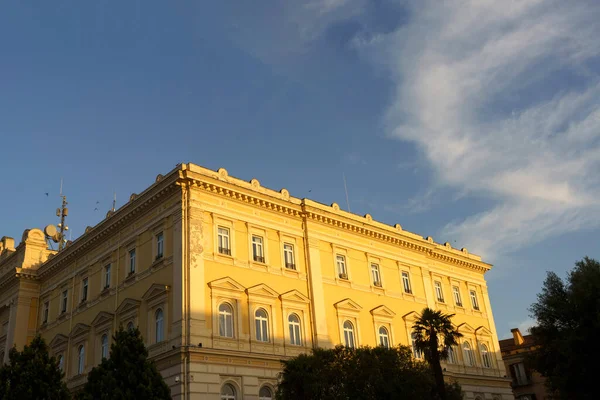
58, 235
114, 201
346, 189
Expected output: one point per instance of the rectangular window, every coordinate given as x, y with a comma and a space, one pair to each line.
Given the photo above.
107, 276
257, 249
406, 282
519, 374
84, 289
376, 275
223, 238
65, 298
131, 261
160, 245
474, 302
288, 255
438, 291
46, 312
457, 299
341, 266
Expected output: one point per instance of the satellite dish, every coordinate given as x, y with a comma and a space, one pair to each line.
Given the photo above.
50, 230
52, 233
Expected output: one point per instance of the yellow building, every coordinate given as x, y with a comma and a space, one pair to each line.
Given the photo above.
225, 278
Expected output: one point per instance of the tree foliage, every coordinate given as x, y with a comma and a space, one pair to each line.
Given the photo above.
568, 323
365, 373
434, 334
127, 374
32, 374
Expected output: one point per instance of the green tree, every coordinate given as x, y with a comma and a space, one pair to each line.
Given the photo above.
127, 374
32, 374
434, 334
568, 322
365, 373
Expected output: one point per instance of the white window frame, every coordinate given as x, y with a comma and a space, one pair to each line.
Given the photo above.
223, 315
258, 249
341, 266
261, 396
474, 300
468, 356
486, 360
159, 325
45, 313
439, 291
228, 396
160, 245
107, 276
349, 334
288, 256
224, 238
376, 275
417, 353
452, 359
384, 338
64, 301
61, 362
457, 297
295, 330
406, 286
81, 359
132, 261
104, 346
261, 326
85, 287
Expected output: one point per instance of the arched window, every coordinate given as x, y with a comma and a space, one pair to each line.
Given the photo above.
294, 324
451, 355
61, 363
262, 325
348, 334
468, 354
81, 360
225, 320
265, 393
485, 357
418, 353
228, 392
130, 326
384, 337
104, 346
158, 318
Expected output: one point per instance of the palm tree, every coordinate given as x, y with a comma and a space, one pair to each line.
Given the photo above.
433, 335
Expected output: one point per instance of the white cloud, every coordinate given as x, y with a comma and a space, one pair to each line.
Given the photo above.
457, 67
501, 97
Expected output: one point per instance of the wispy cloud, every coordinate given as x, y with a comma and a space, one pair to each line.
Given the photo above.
502, 98
480, 90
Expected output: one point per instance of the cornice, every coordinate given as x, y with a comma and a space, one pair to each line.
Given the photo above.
138, 204
221, 184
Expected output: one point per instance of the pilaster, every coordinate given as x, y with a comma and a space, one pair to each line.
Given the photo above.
317, 298
488, 311
428, 287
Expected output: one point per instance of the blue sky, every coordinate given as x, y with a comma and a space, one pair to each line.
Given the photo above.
475, 122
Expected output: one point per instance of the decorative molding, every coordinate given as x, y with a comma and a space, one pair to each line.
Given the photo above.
383, 311
348, 305
294, 296
128, 305
465, 328
262, 290
79, 330
102, 318
156, 290
227, 284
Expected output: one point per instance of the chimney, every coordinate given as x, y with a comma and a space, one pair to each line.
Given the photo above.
517, 337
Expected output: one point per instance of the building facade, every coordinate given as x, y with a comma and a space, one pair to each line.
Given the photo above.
527, 384
225, 278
